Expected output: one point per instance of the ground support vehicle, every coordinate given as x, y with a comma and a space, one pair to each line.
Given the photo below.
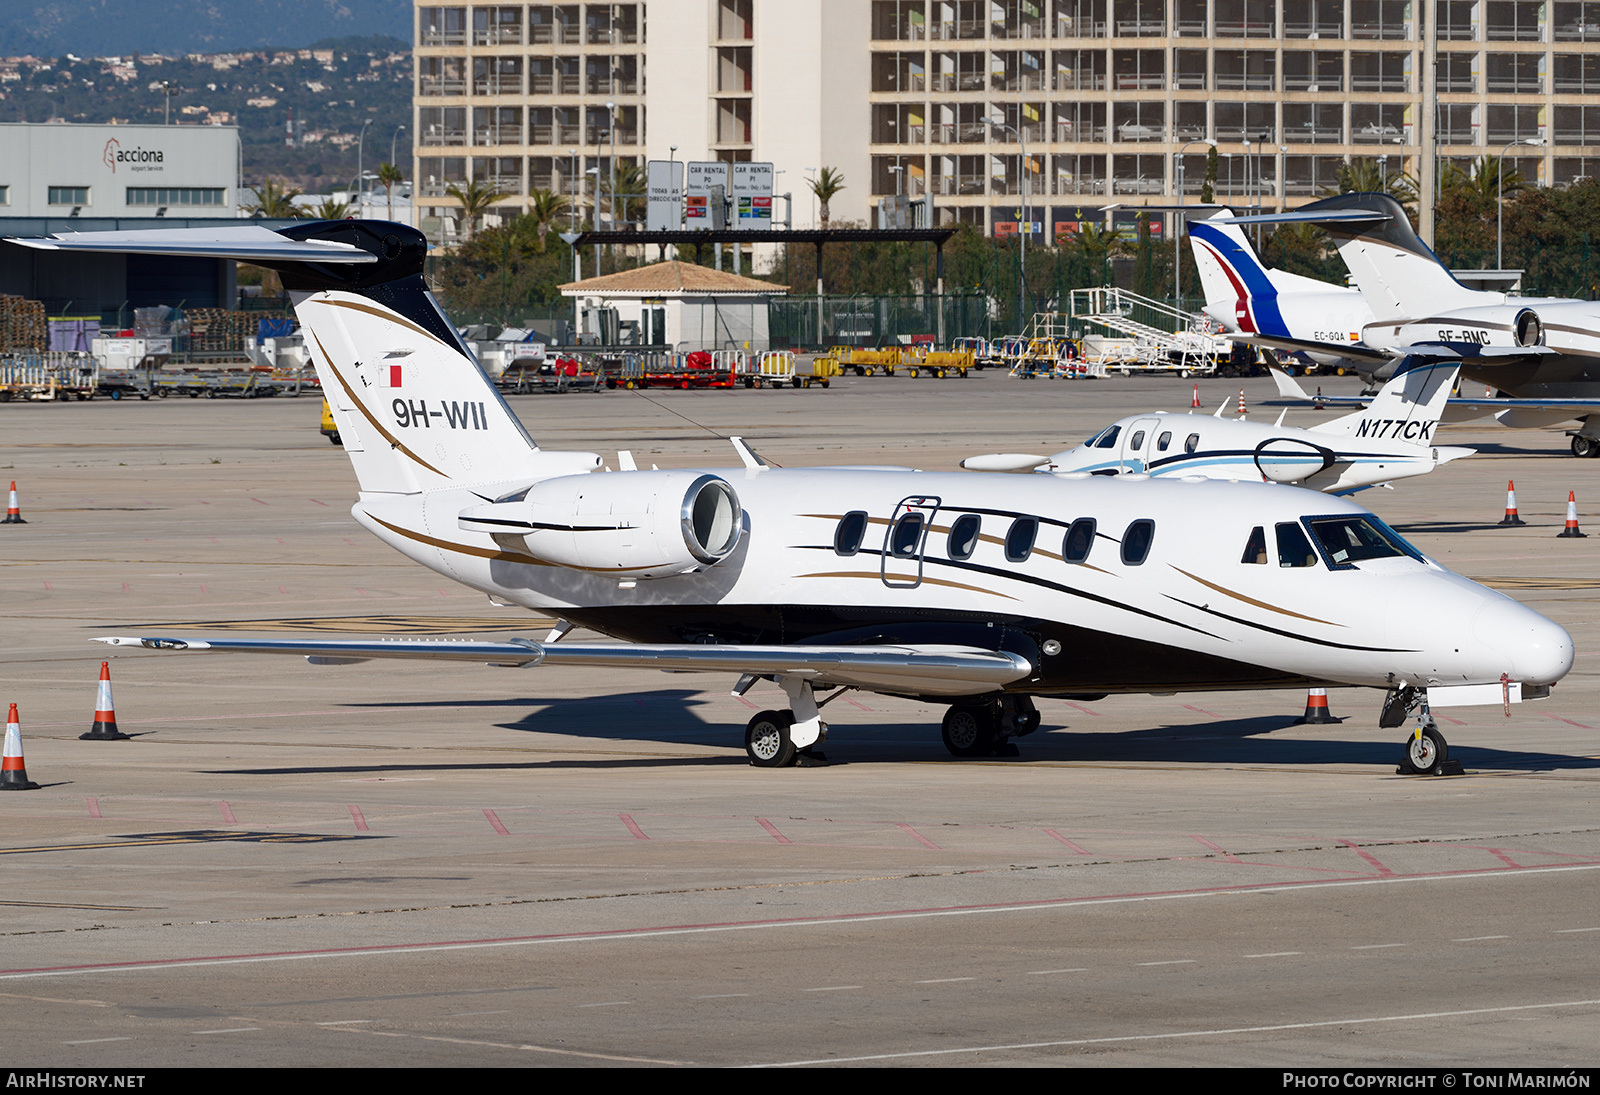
56, 375
943, 363
553, 376
868, 362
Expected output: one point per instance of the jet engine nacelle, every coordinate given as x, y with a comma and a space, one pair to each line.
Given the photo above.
1289, 459
633, 524
1491, 325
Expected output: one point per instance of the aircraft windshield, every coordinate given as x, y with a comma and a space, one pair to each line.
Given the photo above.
1347, 540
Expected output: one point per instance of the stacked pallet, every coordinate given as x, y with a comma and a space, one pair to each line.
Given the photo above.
22, 325
221, 329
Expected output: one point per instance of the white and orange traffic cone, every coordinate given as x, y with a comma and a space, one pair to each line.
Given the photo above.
1511, 517
105, 715
13, 773
1316, 404
1243, 411
1571, 531
13, 514
1317, 712
1195, 401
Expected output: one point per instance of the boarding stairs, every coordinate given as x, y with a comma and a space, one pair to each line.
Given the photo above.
1164, 338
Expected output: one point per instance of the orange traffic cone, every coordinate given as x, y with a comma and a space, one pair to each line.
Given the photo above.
1316, 404
1511, 517
105, 715
1571, 531
13, 514
1243, 411
1317, 712
13, 773
1195, 402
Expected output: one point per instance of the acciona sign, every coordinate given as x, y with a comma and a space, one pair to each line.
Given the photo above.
134, 159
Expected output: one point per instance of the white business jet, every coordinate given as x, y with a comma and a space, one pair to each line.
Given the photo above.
1392, 438
1542, 353
978, 591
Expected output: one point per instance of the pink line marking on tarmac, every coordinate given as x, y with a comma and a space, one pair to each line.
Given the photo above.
319, 503
258, 501
1229, 856
638, 833
278, 538
1053, 835
213, 539
1558, 718
1371, 860
1447, 718
126, 587
361, 591
94, 806
747, 703
357, 817
203, 502
1502, 857
48, 588
773, 829
494, 820
282, 590
227, 813
347, 540
205, 589
863, 706
918, 837
1200, 710
1082, 708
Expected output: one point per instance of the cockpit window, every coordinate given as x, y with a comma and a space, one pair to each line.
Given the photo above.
1348, 540
1108, 440
1136, 542
1294, 550
1079, 539
1019, 541
1255, 548
852, 527
963, 536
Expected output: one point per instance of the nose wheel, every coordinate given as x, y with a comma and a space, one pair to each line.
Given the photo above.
1426, 752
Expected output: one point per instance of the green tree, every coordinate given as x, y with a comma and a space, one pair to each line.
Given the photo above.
1366, 176
545, 207
826, 186
476, 198
390, 176
1208, 188
274, 200
330, 209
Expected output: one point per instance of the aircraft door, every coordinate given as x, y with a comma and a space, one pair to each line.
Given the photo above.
1138, 442
906, 541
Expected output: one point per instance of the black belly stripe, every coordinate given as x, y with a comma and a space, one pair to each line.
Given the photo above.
1290, 634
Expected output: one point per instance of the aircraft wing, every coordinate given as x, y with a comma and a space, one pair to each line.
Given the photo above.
1351, 350
921, 669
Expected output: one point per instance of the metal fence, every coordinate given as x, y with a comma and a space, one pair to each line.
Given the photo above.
874, 320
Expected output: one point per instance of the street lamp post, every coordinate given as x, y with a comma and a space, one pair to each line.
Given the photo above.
1177, 225
361, 141
1027, 223
1499, 203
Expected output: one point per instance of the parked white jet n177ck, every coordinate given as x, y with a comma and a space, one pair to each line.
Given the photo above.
1392, 438
979, 591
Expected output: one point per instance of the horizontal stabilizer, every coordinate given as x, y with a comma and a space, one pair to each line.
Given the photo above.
247, 243
1004, 461
1353, 351
917, 670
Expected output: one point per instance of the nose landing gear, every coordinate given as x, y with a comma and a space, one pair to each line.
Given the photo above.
1426, 752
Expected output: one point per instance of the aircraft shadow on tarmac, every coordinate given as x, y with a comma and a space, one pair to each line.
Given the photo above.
687, 717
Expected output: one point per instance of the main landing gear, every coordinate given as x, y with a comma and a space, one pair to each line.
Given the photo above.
985, 729
1426, 751
778, 739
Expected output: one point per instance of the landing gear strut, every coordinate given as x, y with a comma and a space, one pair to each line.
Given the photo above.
1426, 751
985, 729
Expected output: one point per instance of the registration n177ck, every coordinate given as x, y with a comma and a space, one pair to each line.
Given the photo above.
978, 591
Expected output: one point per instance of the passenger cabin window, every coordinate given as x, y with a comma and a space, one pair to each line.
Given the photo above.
1079, 539
1137, 441
847, 537
963, 536
1164, 440
1019, 540
907, 536
1255, 548
1108, 439
1136, 542
1191, 443
1294, 550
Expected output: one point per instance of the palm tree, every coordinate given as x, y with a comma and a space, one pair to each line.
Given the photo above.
1484, 181
331, 209
274, 199
826, 187
1365, 176
1096, 244
475, 198
389, 175
628, 180
544, 207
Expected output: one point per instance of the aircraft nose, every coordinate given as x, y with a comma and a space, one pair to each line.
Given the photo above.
1537, 650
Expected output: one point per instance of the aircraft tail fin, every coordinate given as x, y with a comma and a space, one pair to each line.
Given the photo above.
413, 408
1406, 409
1239, 291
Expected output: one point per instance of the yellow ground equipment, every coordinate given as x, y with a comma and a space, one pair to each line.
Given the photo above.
330, 429
943, 363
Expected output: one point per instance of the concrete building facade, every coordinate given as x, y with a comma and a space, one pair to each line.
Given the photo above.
1075, 105
118, 171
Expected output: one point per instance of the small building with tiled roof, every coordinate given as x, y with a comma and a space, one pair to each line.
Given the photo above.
674, 304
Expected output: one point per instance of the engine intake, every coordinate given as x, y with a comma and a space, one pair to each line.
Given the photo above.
633, 524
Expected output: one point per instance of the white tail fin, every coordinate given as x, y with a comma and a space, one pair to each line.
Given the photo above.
1406, 409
